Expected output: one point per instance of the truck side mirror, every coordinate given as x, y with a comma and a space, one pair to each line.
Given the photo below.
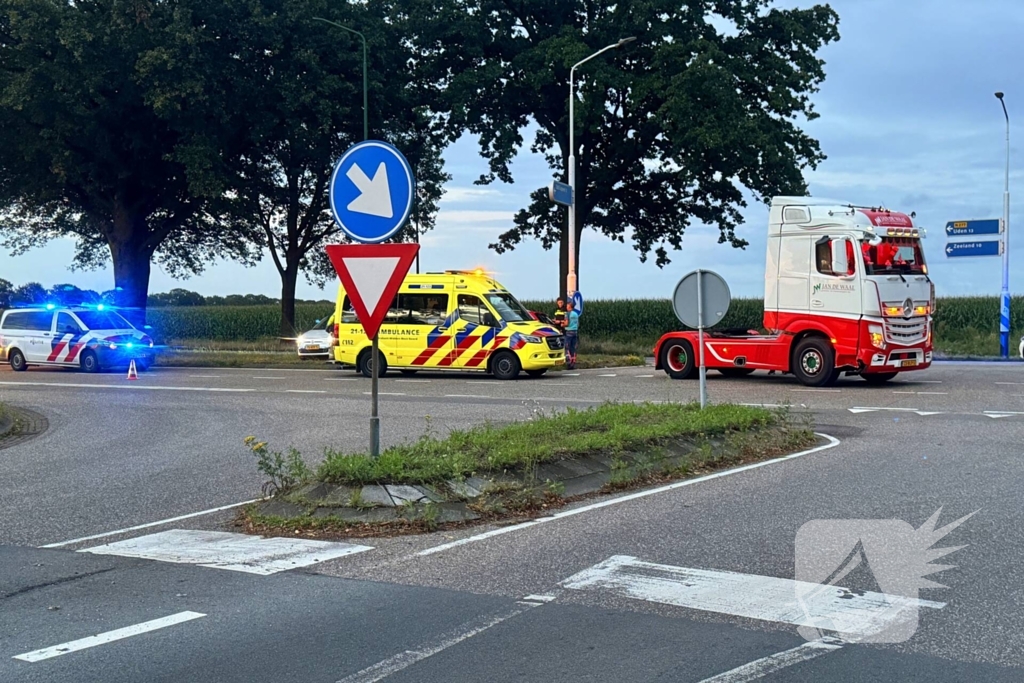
840, 265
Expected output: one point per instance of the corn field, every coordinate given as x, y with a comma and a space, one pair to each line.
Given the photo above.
611, 319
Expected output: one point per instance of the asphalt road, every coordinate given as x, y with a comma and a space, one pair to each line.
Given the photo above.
494, 603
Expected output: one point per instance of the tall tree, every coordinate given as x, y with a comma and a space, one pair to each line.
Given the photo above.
669, 130
292, 86
96, 144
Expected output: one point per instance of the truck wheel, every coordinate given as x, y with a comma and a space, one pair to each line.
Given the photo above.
17, 359
879, 377
677, 359
735, 372
814, 362
365, 364
89, 362
505, 365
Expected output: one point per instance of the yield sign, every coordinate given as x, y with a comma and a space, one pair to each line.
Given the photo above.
372, 275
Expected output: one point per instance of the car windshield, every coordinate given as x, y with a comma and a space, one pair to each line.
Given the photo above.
510, 310
894, 255
103, 320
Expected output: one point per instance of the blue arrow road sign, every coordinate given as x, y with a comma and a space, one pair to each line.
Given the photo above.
371, 191
577, 302
976, 248
992, 226
560, 193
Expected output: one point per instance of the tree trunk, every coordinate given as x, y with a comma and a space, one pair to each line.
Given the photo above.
288, 280
131, 258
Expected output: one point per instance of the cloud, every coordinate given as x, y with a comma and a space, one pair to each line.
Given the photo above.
458, 195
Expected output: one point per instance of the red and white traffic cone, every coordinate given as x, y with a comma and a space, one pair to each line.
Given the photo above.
132, 372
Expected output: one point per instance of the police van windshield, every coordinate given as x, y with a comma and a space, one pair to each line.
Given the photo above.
894, 255
103, 320
510, 310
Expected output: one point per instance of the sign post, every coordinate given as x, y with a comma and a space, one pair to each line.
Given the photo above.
701, 300
371, 196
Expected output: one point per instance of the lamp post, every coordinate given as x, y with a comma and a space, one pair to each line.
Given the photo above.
366, 107
1004, 309
570, 282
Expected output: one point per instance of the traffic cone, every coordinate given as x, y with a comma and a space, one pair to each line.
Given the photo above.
132, 372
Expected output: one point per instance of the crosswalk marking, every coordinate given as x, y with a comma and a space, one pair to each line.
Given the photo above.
234, 552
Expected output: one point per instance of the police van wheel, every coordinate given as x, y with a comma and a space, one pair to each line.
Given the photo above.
505, 365
89, 362
814, 362
365, 364
677, 359
17, 360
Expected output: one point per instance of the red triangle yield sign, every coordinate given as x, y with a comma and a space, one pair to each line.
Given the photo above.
372, 275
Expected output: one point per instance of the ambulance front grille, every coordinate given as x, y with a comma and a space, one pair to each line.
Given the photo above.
556, 342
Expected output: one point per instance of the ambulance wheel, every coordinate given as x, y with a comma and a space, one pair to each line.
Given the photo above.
408, 373
365, 364
677, 359
735, 372
537, 373
89, 362
814, 362
879, 377
505, 365
17, 359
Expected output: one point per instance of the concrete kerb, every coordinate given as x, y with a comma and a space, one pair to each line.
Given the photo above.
504, 493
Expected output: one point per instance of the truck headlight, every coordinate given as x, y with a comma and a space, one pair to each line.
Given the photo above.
877, 336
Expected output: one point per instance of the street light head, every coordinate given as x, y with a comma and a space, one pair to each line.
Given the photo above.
625, 40
999, 95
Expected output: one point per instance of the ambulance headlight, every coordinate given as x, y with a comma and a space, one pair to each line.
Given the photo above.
112, 345
533, 339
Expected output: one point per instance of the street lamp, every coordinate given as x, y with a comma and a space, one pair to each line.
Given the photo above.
1004, 310
366, 108
570, 284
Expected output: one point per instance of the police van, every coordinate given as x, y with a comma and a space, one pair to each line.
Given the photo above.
455, 320
85, 338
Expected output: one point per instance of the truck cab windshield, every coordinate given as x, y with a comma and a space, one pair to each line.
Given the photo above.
895, 255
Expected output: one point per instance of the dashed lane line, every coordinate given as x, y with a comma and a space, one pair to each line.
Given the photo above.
108, 637
384, 393
305, 391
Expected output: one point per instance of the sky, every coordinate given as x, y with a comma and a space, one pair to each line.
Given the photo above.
909, 120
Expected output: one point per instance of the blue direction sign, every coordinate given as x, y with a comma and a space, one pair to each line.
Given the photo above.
976, 248
560, 193
577, 302
371, 191
990, 226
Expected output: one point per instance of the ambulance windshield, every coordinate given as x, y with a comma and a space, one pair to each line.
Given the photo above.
510, 310
894, 255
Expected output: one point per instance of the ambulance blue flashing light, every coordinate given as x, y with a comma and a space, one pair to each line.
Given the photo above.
50, 307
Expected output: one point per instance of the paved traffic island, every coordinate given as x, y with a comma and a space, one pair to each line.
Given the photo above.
514, 471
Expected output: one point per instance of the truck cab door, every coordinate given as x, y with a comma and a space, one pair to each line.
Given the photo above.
835, 281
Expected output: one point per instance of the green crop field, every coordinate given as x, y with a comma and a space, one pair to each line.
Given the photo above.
963, 325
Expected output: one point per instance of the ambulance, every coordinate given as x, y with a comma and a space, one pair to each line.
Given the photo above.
455, 320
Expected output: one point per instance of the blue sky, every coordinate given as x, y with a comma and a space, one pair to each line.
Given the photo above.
908, 119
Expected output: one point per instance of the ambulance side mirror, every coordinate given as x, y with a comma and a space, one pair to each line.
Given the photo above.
488, 320
840, 265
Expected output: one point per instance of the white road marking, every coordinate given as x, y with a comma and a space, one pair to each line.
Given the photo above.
465, 396
108, 637
205, 376
644, 376
130, 387
921, 381
996, 416
414, 381
384, 393
990, 413
832, 443
765, 405
224, 550
759, 668
571, 374
304, 391
765, 598
404, 660
268, 377
481, 381
611, 375
819, 391
148, 525
541, 598
923, 393
342, 379
1010, 384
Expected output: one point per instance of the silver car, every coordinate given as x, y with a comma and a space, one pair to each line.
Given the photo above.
317, 342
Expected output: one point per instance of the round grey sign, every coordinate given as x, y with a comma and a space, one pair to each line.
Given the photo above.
714, 292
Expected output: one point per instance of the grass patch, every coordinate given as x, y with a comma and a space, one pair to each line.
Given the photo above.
611, 428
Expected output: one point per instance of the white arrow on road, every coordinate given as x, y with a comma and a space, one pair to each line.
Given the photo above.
375, 195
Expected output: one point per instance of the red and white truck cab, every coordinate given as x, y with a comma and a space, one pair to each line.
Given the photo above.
846, 290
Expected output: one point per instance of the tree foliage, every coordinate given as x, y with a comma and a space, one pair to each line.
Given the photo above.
670, 129
97, 142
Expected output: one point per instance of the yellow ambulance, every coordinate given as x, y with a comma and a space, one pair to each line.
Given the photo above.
456, 320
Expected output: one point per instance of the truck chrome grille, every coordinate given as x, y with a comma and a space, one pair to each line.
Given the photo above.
907, 331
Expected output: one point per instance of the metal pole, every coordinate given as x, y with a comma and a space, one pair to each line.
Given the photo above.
570, 280
374, 413
1004, 309
700, 339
